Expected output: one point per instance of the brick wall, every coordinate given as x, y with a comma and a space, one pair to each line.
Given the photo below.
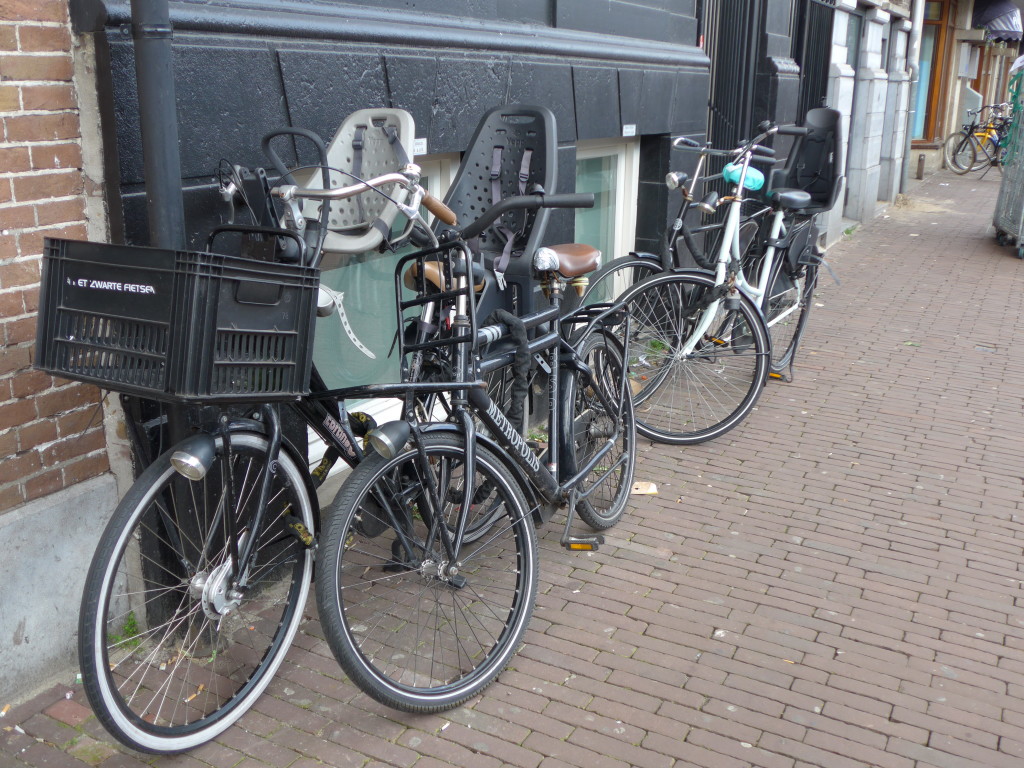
51, 431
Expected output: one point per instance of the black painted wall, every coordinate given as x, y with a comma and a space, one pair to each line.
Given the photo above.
245, 67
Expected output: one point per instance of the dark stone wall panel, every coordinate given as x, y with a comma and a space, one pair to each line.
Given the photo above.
325, 87
690, 102
656, 102
545, 85
412, 81
631, 84
220, 115
466, 88
596, 97
643, 19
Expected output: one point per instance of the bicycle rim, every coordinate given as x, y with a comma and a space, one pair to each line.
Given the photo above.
959, 152
407, 631
606, 487
169, 657
683, 399
786, 306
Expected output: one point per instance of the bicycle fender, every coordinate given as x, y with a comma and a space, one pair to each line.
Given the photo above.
251, 425
540, 515
645, 255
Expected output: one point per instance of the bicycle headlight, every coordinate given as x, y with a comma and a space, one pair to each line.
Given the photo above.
194, 457
389, 439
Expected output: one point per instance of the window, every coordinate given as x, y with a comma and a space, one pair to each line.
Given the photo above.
936, 47
609, 170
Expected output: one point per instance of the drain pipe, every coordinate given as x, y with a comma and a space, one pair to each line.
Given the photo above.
914, 65
161, 158
158, 118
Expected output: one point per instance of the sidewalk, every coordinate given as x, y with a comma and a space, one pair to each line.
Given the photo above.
834, 583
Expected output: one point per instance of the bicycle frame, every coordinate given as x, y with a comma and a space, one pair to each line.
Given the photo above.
470, 398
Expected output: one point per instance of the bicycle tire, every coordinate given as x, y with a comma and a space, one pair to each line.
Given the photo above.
161, 674
786, 306
960, 153
687, 400
385, 607
606, 488
618, 275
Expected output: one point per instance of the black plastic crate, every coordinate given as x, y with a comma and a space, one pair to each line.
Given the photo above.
175, 325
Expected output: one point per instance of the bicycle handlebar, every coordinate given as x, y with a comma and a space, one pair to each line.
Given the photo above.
524, 202
439, 209
290, 191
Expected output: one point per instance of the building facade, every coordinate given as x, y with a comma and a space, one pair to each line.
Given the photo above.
621, 76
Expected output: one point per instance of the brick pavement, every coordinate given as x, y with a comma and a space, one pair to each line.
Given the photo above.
835, 583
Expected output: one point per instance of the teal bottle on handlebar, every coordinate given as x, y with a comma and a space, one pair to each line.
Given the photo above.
753, 181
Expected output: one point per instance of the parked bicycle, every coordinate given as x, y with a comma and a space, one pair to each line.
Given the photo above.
704, 340
198, 584
979, 143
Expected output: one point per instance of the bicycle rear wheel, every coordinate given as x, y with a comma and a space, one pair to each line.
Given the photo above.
682, 398
787, 304
960, 153
617, 276
170, 657
594, 422
412, 629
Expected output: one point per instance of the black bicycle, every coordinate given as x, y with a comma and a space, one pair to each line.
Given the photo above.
198, 584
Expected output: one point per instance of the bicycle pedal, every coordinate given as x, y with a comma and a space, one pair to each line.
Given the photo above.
583, 543
774, 375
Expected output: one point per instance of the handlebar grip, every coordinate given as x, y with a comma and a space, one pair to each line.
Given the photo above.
681, 142
793, 130
578, 200
439, 209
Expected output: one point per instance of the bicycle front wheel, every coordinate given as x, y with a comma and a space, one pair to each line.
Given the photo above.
787, 304
414, 628
172, 649
600, 414
960, 153
691, 386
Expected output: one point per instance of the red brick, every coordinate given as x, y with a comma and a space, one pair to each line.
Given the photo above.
36, 433
33, 38
18, 68
20, 331
10, 98
52, 127
48, 185
33, 10
78, 421
32, 242
8, 37
18, 217
14, 359
44, 484
65, 211
18, 274
73, 447
47, 97
66, 399
12, 303
46, 156
30, 383
11, 496
83, 469
15, 468
14, 159
15, 413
